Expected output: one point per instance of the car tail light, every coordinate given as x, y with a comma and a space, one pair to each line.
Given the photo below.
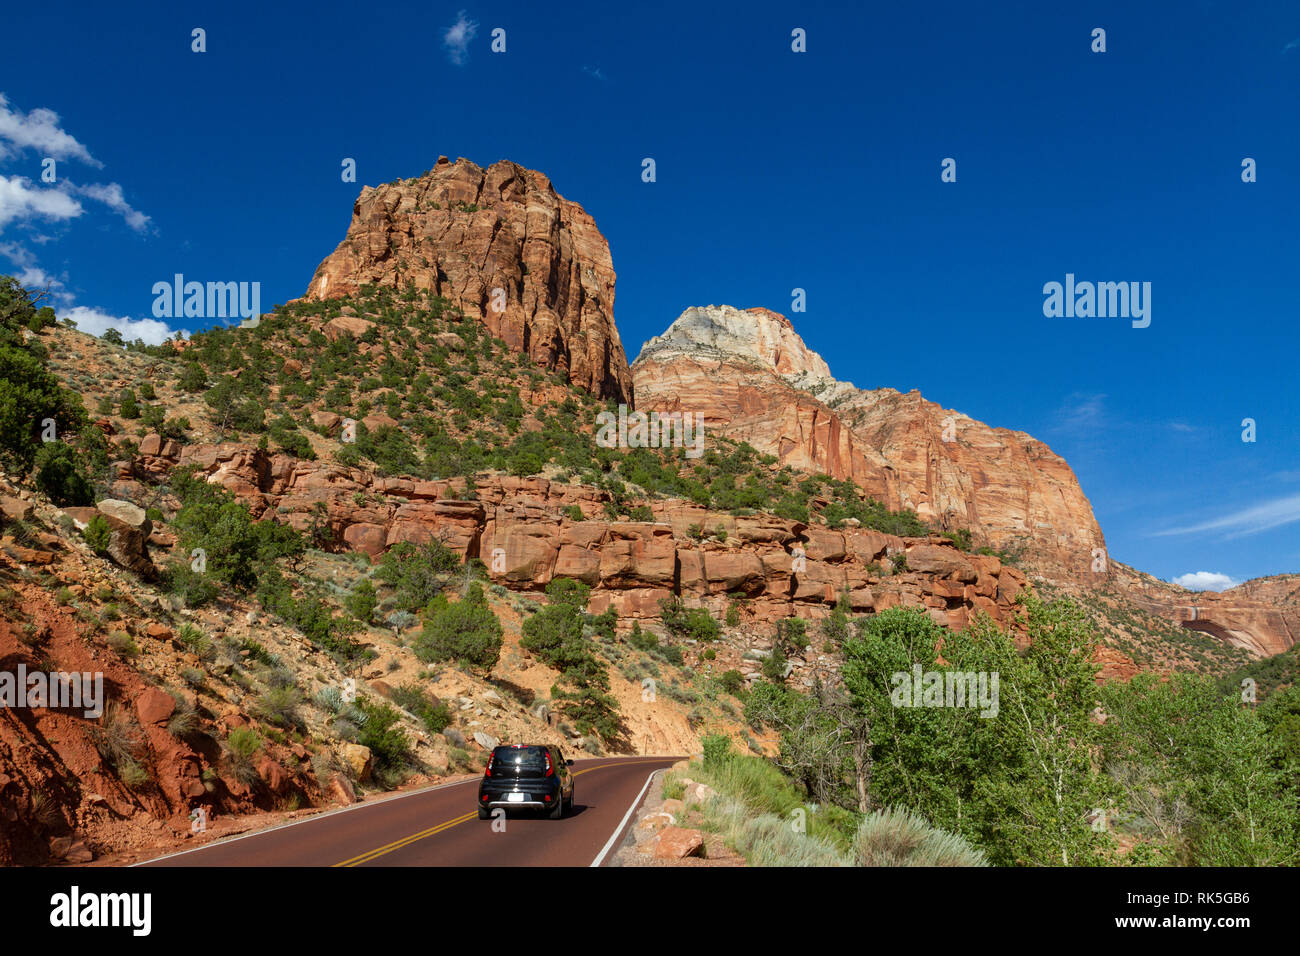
484, 798
546, 797
550, 771
487, 771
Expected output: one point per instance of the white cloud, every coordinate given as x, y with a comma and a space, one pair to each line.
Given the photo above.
1205, 581
110, 194
1263, 517
20, 200
1081, 413
95, 322
458, 37
39, 130
29, 273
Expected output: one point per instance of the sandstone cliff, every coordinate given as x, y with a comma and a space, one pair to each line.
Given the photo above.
1261, 616
462, 232
754, 379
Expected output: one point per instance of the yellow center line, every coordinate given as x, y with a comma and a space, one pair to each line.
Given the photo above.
456, 821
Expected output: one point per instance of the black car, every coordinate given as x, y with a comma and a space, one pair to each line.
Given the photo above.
526, 777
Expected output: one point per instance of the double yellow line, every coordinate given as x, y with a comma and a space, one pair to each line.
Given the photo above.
406, 841
456, 821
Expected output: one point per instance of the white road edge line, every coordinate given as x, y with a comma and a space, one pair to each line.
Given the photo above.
600, 857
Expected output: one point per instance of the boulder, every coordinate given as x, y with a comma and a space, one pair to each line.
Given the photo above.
341, 789
128, 542
359, 761
155, 706
676, 843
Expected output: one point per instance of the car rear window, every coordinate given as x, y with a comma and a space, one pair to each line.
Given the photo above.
519, 762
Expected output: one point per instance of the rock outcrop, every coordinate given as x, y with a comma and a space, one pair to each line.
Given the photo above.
523, 529
502, 245
753, 379
1261, 616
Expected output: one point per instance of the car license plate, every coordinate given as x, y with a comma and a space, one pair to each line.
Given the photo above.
516, 797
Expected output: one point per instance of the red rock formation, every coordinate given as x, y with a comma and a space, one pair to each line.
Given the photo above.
1261, 615
753, 379
522, 530
462, 232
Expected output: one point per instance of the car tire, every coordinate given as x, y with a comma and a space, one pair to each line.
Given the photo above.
568, 804
484, 813
557, 811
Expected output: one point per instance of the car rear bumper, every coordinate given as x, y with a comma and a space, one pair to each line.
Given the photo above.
518, 804
534, 790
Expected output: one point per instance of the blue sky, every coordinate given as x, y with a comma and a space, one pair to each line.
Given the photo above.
775, 170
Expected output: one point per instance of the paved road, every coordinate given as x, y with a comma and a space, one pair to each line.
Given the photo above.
440, 827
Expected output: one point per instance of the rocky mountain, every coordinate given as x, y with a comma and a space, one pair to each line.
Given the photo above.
753, 379
501, 245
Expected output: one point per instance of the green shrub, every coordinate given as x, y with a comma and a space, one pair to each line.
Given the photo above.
466, 631
416, 573
97, 534
195, 641
901, 837
123, 643
279, 705
556, 635
717, 748
732, 681
688, 623
378, 730
59, 475
243, 744
361, 602
433, 713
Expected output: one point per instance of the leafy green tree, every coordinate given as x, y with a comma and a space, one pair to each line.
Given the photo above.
685, 623
1016, 778
525, 464
381, 732
30, 395
1202, 772
835, 627
193, 378
556, 633
1044, 789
